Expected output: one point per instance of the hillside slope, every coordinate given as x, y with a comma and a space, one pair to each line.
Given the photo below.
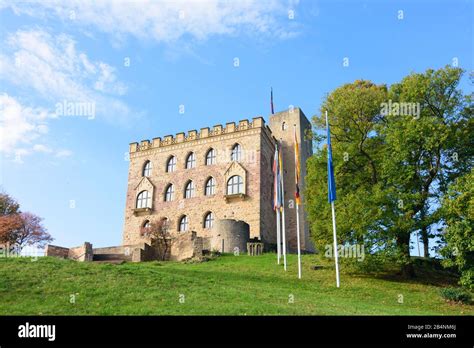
233, 285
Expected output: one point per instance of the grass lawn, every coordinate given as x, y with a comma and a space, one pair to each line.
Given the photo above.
233, 285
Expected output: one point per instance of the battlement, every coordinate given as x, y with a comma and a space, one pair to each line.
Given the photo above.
168, 140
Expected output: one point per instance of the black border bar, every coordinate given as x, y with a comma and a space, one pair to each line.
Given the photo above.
219, 330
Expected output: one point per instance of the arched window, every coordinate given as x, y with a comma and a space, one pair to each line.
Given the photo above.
189, 190
211, 157
235, 185
145, 230
209, 220
147, 169
183, 224
191, 161
210, 187
144, 200
169, 193
171, 165
284, 126
236, 153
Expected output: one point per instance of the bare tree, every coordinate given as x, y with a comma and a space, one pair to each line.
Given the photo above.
159, 234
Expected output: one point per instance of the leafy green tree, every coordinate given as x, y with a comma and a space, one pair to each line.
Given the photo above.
425, 150
458, 213
395, 152
354, 111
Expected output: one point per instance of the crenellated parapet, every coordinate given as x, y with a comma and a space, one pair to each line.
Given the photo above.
192, 135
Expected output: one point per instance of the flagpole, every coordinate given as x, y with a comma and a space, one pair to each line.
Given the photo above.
297, 215
283, 212
335, 243
278, 235
336, 260
298, 239
276, 199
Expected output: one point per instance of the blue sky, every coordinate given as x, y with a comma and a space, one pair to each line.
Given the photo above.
182, 53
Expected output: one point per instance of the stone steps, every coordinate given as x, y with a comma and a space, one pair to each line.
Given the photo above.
111, 257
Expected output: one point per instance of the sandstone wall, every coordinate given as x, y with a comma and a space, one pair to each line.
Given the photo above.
229, 236
282, 127
56, 251
81, 253
247, 208
186, 246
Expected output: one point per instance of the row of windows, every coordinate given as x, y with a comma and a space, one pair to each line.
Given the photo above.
211, 157
235, 185
183, 225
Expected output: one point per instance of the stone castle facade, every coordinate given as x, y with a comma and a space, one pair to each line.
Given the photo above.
199, 180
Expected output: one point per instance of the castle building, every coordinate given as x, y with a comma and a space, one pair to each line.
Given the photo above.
193, 181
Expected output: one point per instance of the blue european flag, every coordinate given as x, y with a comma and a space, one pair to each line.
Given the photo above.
331, 181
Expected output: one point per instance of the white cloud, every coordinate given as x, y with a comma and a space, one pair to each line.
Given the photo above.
52, 66
167, 21
21, 127
106, 81
42, 148
51, 71
19, 124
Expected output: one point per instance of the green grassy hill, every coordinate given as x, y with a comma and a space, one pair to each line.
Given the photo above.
234, 285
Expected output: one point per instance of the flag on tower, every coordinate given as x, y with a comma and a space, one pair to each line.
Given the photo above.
280, 178
331, 181
271, 100
297, 171
276, 180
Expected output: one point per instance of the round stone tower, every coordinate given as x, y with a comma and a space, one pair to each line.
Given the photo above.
229, 236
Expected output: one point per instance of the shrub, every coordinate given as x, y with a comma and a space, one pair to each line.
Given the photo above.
456, 294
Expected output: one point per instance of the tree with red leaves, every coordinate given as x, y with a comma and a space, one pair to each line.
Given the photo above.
19, 229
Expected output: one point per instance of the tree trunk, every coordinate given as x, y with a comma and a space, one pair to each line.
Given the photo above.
424, 234
403, 244
426, 241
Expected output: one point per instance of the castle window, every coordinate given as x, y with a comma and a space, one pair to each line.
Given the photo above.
191, 161
235, 185
144, 200
169, 193
284, 126
171, 165
210, 187
209, 220
189, 190
211, 157
236, 153
145, 230
183, 224
147, 169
